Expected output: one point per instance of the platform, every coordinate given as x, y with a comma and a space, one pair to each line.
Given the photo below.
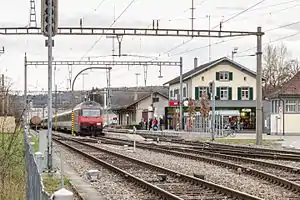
125, 136
83, 188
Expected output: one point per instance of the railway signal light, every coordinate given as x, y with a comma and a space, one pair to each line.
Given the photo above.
45, 23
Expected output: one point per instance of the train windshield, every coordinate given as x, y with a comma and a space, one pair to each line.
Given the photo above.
91, 113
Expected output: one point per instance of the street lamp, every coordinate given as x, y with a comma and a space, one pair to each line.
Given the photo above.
73, 102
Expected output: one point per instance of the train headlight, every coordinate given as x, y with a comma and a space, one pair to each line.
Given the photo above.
98, 124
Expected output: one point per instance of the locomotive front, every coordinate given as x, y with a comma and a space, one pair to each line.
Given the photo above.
90, 118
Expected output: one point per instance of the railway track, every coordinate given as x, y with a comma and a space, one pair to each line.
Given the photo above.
245, 151
165, 183
282, 175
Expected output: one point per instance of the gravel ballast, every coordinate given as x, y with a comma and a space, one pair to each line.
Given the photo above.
110, 185
216, 174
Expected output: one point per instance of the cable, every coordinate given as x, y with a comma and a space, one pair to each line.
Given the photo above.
237, 38
115, 20
239, 13
267, 43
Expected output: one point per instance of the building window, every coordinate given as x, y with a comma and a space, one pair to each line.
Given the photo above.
184, 92
155, 99
171, 93
223, 93
290, 106
202, 78
202, 90
176, 94
245, 93
224, 76
245, 78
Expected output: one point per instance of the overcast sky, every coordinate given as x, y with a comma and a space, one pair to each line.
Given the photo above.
172, 14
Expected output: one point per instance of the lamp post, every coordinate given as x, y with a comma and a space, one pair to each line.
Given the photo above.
73, 102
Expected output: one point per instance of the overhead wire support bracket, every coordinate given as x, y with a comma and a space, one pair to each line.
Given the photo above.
106, 63
127, 32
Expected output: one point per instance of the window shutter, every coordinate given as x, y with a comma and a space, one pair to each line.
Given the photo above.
239, 93
230, 76
229, 93
218, 92
251, 93
217, 76
196, 93
208, 93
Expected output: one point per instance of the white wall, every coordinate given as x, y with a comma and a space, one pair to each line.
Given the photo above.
237, 81
159, 106
290, 123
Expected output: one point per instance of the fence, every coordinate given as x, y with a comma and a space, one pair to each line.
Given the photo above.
34, 185
202, 125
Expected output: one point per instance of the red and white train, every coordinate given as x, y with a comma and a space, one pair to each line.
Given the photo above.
88, 119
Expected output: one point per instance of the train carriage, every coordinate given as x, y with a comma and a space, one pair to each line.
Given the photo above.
88, 119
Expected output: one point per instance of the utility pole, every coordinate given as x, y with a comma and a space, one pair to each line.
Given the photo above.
193, 13
3, 94
233, 52
259, 105
145, 74
55, 107
137, 79
180, 97
32, 14
25, 90
209, 40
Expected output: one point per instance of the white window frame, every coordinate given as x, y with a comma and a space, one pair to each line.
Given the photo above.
245, 93
224, 76
222, 91
201, 90
289, 104
176, 97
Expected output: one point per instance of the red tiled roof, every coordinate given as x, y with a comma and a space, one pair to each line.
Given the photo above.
292, 87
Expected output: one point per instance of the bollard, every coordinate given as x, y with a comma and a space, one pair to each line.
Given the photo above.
133, 145
40, 161
62, 194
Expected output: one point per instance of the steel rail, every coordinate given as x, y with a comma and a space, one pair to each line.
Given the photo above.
187, 178
254, 172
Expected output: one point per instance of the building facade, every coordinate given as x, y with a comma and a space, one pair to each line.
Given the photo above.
286, 108
235, 88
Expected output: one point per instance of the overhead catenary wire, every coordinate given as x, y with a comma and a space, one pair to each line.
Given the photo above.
239, 13
237, 38
115, 20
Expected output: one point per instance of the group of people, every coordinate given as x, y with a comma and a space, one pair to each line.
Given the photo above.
152, 124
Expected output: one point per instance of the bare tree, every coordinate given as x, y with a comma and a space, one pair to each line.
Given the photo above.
192, 112
11, 148
204, 105
277, 68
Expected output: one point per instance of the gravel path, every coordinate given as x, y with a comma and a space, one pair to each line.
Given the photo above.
110, 185
219, 175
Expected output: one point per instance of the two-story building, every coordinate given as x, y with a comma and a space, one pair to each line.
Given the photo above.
235, 87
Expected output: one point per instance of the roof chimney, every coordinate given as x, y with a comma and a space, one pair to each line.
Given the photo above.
195, 62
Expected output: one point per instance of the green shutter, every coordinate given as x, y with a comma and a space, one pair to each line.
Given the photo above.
239, 93
218, 92
217, 76
229, 93
196, 93
230, 76
251, 93
208, 93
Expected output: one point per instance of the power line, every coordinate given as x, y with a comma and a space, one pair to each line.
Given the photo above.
239, 13
115, 20
276, 40
220, 42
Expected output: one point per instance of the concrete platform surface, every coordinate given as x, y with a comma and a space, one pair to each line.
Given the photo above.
125, 136
84, 189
